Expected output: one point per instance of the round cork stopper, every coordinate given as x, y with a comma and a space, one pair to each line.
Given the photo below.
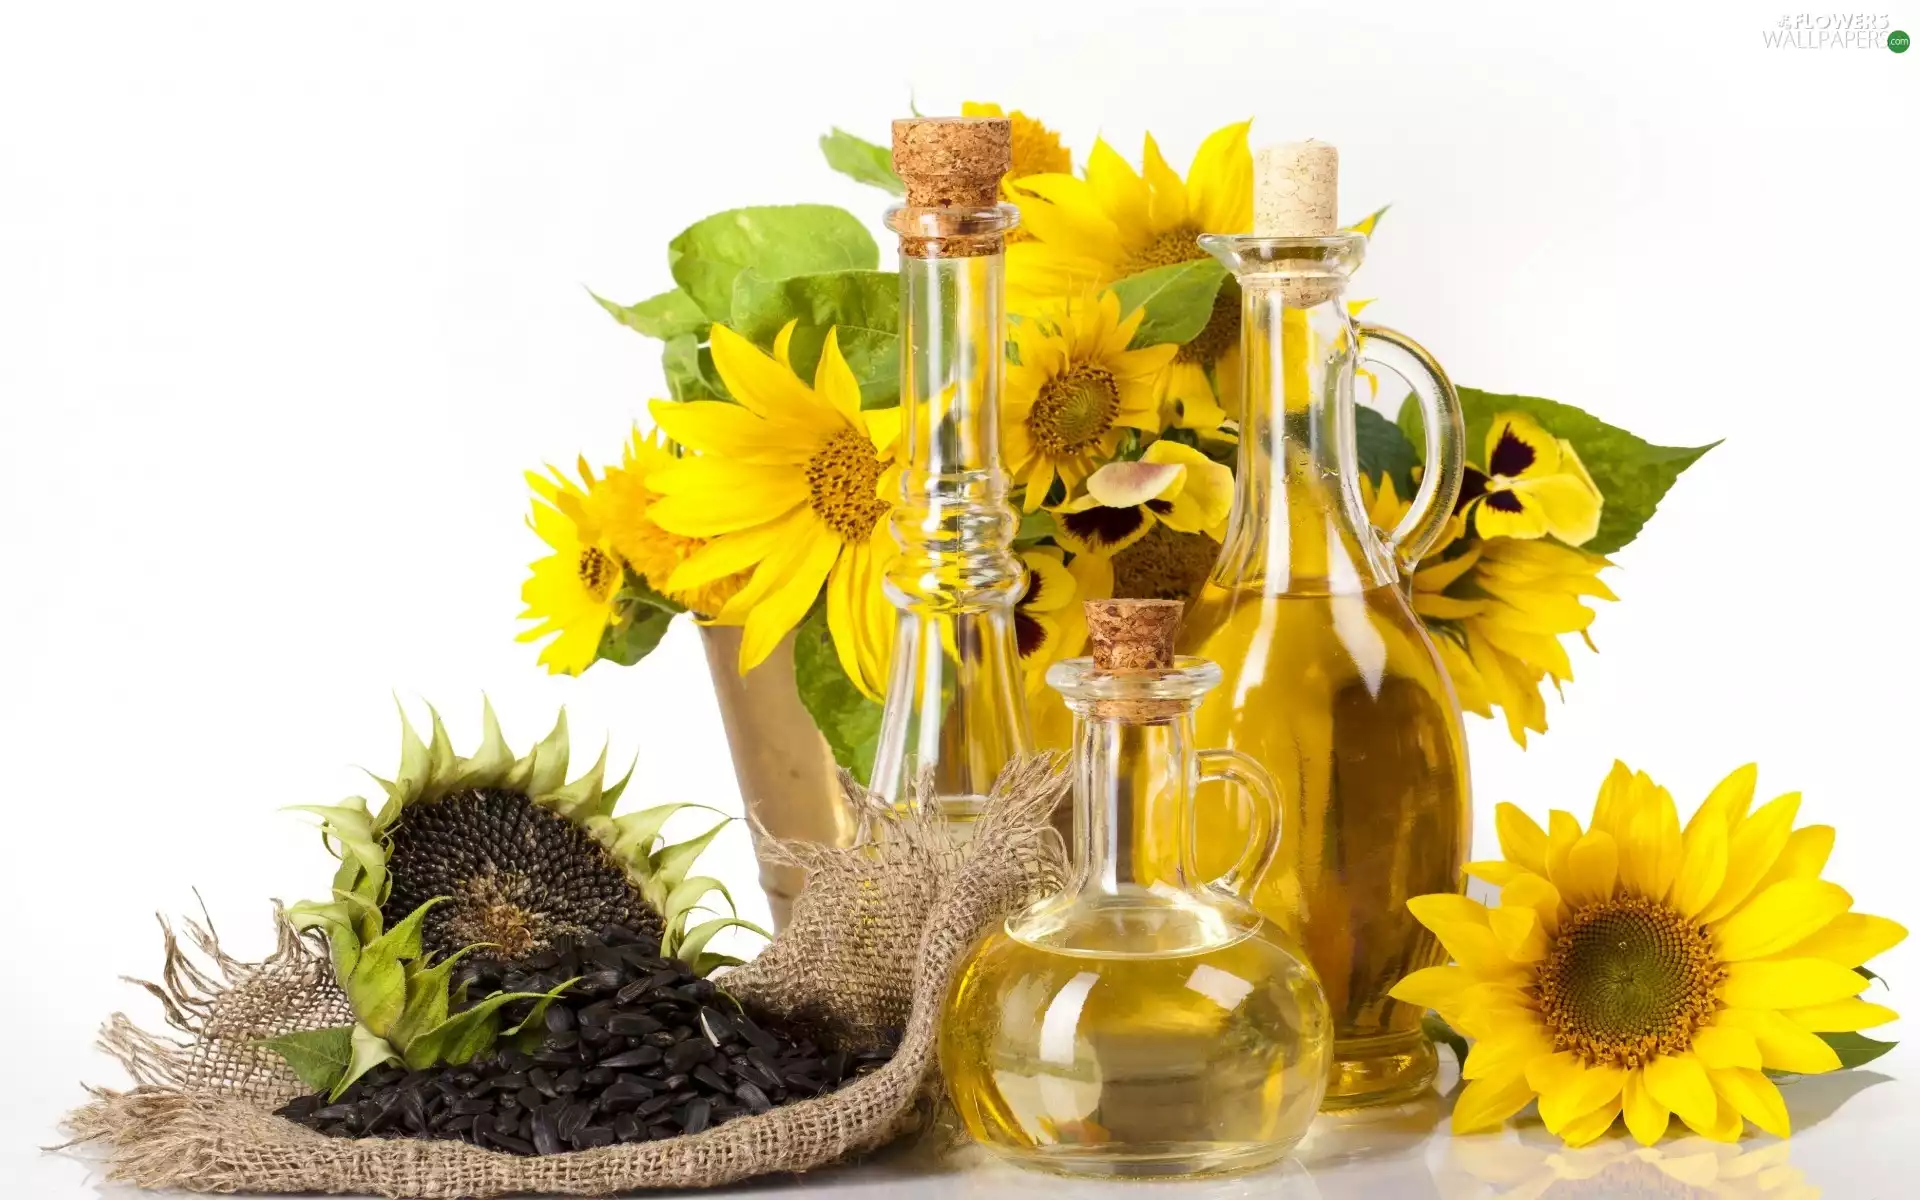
952, 162
1296, 190
1133, 635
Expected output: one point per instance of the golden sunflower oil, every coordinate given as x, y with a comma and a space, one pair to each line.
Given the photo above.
1342, 697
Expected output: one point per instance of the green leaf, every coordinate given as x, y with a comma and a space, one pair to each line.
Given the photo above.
861, 160
844, 715
377, 988
427, 1003
776, 240
1855, 1049
639, 829
1442, 1034
670, 864
318, 1056
1178, 300
668, 315
627, 642
472, 1031
690, 372
1036, 526
369, 1051
1633, 475
864, 306
1385, 450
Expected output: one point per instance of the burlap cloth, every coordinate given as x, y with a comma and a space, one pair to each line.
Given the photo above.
875, 937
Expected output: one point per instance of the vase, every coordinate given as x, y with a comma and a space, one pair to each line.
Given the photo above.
789, 783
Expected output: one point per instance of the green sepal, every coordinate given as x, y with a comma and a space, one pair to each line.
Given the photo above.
472, 1031
706, 964
343, 939
491, 762
1855, 1049
427, 1002
1442, 1034
669, 865
547, 764
582, 799
696, 939
369, 1051
318, 1056
415, 762
377, 989
639, 830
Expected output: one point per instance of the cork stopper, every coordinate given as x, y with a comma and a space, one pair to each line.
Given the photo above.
1296, 190
952, 162
1133, 635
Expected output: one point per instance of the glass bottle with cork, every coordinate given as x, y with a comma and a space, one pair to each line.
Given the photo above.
1128, 1026
1331, 681
955, 711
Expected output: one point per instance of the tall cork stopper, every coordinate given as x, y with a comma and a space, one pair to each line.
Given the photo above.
1296, 193
952, 162
1133, 635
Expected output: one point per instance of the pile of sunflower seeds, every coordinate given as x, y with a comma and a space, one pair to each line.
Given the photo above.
639, 1048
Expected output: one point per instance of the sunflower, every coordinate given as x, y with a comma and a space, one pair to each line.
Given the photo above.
572, 591
1534, 485
1497, 608
1075, 391
1641, 970
786, 485
622, 504
1171, 484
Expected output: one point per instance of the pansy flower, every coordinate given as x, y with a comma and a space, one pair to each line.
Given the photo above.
1534, 485
1172, 483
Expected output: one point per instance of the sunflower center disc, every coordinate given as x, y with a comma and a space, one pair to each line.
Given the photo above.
1177, 245
1626, 980
1074, 410
1222, 331
842, 480
598, 572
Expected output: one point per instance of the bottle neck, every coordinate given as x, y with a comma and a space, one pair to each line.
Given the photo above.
1129, 777
955, 707
1299, 523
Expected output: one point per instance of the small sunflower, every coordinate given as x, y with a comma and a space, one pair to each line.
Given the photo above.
622, 502
1171, 484
1497, 608
1534, 485
1075, 391
786, 485
1642, 970
572, 591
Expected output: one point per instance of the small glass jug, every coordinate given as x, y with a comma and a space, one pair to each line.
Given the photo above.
1127, 1027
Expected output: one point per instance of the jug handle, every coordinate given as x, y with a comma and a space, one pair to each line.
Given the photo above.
1263, 840
1446, 434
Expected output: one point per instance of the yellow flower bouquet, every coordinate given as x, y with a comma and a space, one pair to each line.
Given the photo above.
761, 499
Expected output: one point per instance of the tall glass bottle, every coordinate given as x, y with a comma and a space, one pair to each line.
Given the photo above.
955, 708
1331, 681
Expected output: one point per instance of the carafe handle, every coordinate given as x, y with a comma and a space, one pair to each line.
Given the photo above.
1263, 834
1446, 441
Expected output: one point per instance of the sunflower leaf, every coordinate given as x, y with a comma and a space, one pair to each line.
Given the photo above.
842, 712
1178, 300
1855, 1049
1442, 1034
668, 315
472, 1031
1384, 450
1633, 475
628, 641
318, 1056
688, 366
377, 989
864, 306
777, 241
861, 160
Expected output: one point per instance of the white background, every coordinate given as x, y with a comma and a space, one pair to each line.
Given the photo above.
291, 295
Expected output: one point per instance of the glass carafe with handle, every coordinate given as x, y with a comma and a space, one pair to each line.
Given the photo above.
1331, 680
1134, 1025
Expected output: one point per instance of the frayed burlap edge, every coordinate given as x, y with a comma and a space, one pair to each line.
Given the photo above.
875, 937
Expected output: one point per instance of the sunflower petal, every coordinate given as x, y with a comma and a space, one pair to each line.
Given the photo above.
1518, 930
1790, 983
1584, 1129
1703, 867
1755, 1097
764, 386
1851, 939
1437, 988
1784, 1045
1729, 800
1591, 871
1841, 1016
1463, 928
1651, 846
1537, 894
800, 574
1755, 844
1646, 1117
1780, 917
1569, 1089
1521, 840
1723, 1046
1803, 857
1220, 181
1495, 871
1486, 1103
1680, 1082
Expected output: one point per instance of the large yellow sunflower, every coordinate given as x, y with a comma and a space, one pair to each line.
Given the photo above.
786, 485
1075, 391
1036, 149
1641, 970
571, 591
